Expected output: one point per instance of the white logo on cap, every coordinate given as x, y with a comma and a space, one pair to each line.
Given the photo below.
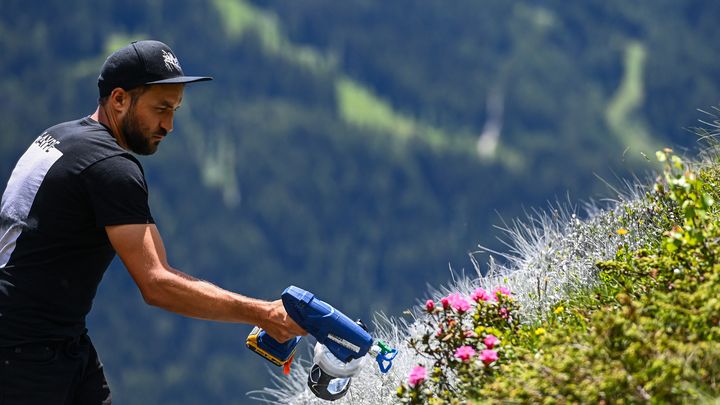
171, 61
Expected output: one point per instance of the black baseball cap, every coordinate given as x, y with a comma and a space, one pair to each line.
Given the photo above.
140, 63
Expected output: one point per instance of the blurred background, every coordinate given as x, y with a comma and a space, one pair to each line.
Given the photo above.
357, 149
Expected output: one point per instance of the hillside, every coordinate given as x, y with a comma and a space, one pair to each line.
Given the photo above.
620, 307
642, 329
356, 149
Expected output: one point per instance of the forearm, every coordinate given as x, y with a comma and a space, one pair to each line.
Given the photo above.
180, 293
141, 249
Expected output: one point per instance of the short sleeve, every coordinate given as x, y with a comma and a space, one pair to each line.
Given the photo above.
118, 192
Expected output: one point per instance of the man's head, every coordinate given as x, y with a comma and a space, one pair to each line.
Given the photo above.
141, 85
142, 117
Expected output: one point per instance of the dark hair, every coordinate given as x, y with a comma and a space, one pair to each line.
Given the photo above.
134, 93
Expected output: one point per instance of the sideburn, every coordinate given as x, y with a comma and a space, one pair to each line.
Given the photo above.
134, 137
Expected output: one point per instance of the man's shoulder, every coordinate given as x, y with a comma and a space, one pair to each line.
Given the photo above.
85, 139
83, 143
84, 128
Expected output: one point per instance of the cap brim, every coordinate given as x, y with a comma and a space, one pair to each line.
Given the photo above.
182, 79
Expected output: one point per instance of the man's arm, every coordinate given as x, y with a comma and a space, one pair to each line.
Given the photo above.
141, 249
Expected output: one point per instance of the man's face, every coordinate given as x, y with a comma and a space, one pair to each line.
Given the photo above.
150, 117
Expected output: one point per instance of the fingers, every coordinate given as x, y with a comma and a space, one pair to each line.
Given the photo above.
280, 336
294, 328
279, 325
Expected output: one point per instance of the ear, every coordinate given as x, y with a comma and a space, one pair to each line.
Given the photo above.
119, 100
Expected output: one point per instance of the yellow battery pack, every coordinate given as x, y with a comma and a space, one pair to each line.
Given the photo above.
280, 354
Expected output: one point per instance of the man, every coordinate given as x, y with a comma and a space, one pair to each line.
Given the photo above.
75, 199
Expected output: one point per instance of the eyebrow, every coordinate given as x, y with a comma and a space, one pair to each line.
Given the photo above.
166, 104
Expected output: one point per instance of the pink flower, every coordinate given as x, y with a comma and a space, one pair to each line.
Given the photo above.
490, 341
488, 356
501, 291
503, 313
430, 305
417, 376
445, 301
480, 295
461, 305
458, 302
464, 353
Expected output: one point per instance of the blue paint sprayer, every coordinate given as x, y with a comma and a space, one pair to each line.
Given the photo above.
340, 351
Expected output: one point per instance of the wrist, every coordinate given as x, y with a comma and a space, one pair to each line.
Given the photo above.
252, 311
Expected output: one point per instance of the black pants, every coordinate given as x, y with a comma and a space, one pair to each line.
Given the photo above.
53, 373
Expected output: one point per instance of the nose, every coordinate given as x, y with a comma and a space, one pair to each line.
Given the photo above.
167, 123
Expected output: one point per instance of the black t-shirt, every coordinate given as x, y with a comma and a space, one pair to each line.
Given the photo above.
70, 183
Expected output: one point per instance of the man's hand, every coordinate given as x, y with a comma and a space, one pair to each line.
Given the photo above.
279, 325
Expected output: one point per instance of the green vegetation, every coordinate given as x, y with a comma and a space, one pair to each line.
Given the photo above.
336, 147
359, 106
648, 332
356, 104
621, 110
241, 18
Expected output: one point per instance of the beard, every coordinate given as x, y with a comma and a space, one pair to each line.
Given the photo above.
135, 137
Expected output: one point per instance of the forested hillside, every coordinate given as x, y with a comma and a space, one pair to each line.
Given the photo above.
357, 149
